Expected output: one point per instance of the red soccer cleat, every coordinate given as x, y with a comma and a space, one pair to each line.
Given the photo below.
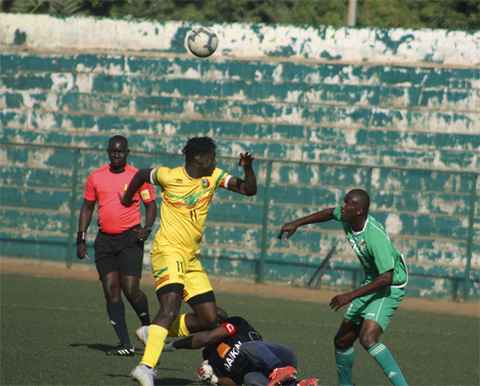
308, 382
282, 374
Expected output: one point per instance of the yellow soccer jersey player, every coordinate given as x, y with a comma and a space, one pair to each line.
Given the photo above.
187, 193
183, 215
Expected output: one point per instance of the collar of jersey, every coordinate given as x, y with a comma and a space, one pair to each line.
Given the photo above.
188, 175
364, 227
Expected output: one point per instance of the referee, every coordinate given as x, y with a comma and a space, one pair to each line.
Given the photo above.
119, 242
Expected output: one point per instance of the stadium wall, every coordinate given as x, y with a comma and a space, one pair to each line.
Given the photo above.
323, 109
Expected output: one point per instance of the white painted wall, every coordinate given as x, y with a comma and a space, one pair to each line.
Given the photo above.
247, 41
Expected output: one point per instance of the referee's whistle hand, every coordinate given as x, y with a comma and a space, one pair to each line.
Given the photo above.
142, 233
81, 250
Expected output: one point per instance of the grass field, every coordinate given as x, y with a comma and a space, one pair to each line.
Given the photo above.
55, 332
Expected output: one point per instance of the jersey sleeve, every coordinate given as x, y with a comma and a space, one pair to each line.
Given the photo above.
222, 179
337, 213
382, 251
90, 193
159, 176
230, 328
147, 193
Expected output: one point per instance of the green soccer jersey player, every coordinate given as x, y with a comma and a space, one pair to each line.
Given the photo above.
372, 305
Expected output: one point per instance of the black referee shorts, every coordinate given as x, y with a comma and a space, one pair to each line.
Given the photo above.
122, 253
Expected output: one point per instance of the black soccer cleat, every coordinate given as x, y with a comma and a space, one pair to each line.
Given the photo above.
122, 351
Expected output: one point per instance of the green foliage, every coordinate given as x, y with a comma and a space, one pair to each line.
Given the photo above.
450, 14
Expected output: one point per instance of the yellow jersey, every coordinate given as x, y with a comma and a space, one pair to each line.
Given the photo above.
184, 209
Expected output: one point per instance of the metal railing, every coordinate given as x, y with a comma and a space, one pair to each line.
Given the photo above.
467, 279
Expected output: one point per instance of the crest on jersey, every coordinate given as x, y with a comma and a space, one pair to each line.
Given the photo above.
145, 194
205, 183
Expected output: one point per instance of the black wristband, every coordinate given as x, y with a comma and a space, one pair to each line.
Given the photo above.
81, 237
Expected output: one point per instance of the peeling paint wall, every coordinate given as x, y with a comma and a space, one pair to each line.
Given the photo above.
362, 102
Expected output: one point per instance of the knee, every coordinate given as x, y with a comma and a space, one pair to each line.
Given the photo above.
132, 293
167, 316
367, 340
112, 293
342, 342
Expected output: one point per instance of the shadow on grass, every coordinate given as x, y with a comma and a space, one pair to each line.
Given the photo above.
163, 381
95, 346
103, 347
171, 381
174, 381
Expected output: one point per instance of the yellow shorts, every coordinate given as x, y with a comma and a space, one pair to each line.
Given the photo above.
172, 268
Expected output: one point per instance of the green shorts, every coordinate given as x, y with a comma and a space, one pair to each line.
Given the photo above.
378, 307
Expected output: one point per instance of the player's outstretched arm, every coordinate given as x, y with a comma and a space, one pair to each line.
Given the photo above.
142, 176
290, 228
200, 339
248, 186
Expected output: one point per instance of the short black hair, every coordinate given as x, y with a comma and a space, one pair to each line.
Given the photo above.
117, 138
198, 145
362, 198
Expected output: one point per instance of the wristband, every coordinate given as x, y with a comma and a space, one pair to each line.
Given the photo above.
81, 237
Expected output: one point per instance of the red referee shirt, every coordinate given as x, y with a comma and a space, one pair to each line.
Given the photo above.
106, 188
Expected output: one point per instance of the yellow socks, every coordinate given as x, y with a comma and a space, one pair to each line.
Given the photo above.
156, 339
154, 346
179, 327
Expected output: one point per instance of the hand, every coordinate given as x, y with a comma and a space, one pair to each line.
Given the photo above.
169, 347
81, 250
124, 202
246, 160
142, 233
340, 300
289, 228
205, 373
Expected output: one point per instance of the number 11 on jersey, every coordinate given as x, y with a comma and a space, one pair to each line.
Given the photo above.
180, 267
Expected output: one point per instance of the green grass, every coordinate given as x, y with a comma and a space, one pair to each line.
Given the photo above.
55, 332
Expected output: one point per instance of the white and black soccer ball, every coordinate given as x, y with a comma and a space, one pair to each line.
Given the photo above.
202, 42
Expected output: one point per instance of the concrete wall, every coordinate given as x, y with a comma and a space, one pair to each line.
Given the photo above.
395, 111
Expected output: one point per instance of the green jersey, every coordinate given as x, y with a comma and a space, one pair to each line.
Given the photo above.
375, 250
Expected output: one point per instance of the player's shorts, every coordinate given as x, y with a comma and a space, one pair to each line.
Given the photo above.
118, 253
170, 267
379, 306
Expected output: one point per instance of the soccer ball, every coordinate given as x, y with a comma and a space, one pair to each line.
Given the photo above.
202, 42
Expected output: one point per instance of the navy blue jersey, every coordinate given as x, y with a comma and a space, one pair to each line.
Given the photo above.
225, 356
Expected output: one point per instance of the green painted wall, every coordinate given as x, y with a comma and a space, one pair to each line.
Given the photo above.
410, 134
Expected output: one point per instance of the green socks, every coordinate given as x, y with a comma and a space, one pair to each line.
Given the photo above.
344, 361
385, 359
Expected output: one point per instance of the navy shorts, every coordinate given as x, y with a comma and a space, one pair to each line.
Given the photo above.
122, 253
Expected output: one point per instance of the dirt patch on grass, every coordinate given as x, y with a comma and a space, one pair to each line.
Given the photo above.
87, 272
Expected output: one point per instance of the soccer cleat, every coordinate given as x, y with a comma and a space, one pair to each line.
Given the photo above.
122, 351
142, 334
282, 374
308, 382
144, 375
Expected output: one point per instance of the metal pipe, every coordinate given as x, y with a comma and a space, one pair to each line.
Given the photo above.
352, 13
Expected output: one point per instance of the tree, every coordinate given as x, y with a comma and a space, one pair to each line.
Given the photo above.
449, 14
